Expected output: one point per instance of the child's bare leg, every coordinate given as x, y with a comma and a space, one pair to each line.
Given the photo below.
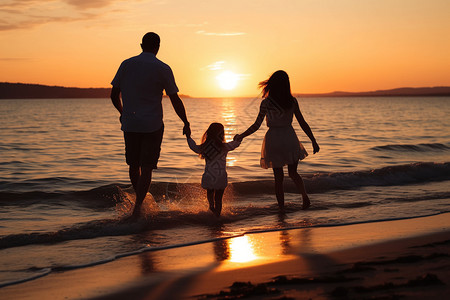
279, 191
210, 196
218, 202
300, 184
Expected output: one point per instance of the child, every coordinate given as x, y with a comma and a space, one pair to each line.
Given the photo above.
281, 146
214, 150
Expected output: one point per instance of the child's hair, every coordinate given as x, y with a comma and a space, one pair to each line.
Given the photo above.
278, 88
212, 141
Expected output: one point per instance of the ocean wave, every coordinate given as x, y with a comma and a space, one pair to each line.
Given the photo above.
179, 215
109, 195
101, 197
27, 276
387, 176
414, 148
40, 272
154, 219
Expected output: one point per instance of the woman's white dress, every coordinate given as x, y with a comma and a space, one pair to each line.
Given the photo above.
281, 145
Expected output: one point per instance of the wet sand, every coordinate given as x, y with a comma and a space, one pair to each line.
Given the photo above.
383, 260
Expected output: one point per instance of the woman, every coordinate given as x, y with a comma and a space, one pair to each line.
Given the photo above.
281, 146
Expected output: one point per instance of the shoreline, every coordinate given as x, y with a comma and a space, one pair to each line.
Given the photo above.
208, 268
408, 267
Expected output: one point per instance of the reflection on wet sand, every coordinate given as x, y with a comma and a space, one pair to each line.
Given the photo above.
221, 250
220, 247
231, 253
285, 238
242, 250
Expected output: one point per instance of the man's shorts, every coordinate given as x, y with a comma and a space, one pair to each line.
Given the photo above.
143, 148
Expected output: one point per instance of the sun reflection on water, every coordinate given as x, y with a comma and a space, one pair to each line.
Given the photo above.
229, 122
242, 250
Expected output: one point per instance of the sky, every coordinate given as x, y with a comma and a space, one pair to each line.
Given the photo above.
220, 48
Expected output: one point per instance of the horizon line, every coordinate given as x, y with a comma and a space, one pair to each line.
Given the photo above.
304, 94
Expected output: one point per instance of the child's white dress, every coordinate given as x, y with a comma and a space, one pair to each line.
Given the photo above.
215, 175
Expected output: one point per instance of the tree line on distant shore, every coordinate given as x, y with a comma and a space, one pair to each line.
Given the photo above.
410, 92
37, 91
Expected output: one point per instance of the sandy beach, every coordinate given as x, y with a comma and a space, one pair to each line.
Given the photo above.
344, 103
381, 260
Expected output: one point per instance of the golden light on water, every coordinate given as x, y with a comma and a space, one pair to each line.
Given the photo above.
231, 160
242, 250
229, 122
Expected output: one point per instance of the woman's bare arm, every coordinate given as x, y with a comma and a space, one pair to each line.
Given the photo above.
255, 126
305, 127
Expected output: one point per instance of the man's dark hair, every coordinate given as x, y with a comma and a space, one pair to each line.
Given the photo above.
150, 41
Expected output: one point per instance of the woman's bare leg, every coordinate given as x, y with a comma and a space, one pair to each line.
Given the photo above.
279, 191
299, 183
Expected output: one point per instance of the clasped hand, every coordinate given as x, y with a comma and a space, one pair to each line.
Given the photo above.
238, 138
187, 130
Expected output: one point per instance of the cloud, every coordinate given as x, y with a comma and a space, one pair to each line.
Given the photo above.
25, 14
81, 4
33, 21
221, 65
22, 4
6, 26
218, 65
86, 4
202, 32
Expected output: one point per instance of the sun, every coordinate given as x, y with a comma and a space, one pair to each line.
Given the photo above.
227, 80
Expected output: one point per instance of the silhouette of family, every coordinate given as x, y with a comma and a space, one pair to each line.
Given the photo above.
137, 91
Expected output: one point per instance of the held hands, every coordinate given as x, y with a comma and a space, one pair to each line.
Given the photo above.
187, 130
238, 138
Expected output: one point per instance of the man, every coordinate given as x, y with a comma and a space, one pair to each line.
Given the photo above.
140, 82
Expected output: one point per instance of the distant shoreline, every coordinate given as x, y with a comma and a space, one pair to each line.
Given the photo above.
440, 91
37, 91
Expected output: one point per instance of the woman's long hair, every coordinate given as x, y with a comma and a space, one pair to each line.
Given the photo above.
278, 88
212, 141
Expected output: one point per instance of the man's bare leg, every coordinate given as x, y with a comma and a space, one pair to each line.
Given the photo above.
135, 173
143, 185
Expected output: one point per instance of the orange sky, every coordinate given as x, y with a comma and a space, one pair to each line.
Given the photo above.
324, 45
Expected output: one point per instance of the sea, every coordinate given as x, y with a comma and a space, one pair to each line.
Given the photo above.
65, 192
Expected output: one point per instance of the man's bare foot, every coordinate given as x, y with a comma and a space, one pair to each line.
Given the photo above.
136, 212
306, 203
130, 218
